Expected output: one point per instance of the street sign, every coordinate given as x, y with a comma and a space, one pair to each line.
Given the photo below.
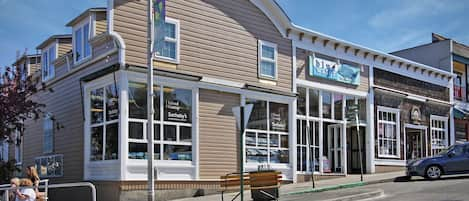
247, 114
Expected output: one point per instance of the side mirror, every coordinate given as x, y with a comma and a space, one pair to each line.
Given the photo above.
451, 154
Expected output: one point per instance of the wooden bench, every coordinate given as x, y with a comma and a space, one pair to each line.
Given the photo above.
261, 181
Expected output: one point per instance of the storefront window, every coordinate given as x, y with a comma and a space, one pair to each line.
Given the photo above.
326, 104
308, 146
338, 98
301, 101
313, 103
267, 144
388, 135
362, 109
104, 139
175, 140
439, 133
258, 118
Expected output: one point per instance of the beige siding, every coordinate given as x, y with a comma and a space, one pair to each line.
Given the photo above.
65, 103
34, 68
218, 38
65, 45
302, 72
218, 134
101, 24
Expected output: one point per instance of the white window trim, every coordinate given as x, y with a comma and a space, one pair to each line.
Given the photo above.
161, 122
267, 132
103, 124
176, 40
51, 71
261, 43
91, 26
398, 133
445, 130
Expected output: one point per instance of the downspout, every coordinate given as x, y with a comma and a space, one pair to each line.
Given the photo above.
119, 41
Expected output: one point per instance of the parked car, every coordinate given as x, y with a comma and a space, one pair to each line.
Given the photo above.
453, 160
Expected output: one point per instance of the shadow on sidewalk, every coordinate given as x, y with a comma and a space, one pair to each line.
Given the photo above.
406, 179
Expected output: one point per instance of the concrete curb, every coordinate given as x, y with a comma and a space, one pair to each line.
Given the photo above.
328, 188
341, 186
361, 196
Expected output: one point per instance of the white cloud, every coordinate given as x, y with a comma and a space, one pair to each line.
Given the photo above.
409, 11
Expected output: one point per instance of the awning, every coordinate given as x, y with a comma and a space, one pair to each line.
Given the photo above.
460, 113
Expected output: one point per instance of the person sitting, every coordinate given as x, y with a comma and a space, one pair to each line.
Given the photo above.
27, 192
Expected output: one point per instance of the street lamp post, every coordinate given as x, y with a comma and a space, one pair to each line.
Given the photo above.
150, 111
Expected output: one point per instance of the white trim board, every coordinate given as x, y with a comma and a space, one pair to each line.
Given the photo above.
332, 88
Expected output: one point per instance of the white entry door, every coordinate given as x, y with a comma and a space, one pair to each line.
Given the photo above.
334, 145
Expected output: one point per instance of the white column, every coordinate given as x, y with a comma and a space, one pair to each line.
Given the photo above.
344, 147
123, 121
370, 134
292, 144
195, 133
321, 135
451, 100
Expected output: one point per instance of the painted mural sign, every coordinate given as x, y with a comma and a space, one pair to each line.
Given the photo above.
332, 70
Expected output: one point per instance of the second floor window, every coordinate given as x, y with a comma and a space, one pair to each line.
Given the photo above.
169, 50
81, 45
267, 60
48, 57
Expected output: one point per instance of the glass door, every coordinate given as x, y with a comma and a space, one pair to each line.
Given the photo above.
334, 145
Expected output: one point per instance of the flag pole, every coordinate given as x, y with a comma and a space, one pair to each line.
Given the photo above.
150, 111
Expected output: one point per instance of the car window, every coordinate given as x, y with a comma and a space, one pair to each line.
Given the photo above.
467, 148
458, 150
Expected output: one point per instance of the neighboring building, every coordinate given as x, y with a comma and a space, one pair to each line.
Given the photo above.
28, 65
331, 75
451, 56
216, 55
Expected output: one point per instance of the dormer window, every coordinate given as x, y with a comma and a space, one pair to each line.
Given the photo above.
81, 45
49, 55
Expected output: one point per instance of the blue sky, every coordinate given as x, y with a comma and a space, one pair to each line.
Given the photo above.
382, 25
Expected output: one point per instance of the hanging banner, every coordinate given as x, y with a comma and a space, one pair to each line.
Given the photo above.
159, 15
334, 71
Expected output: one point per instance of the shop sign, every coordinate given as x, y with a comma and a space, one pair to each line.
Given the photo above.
334, 71
175, 111
277, 123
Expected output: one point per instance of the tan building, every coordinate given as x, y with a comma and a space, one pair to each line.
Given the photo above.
226, 54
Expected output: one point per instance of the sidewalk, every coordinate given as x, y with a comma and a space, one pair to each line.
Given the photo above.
300, 188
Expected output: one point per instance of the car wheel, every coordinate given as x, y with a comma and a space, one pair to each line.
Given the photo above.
433, 172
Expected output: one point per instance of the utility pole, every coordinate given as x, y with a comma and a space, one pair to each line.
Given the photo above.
241, 153
150, 111
359, 147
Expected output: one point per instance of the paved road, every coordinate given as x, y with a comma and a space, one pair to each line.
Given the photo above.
455, 188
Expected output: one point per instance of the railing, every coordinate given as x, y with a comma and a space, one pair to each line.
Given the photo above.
7, 188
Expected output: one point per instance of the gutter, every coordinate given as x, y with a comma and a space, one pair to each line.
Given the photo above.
120, 44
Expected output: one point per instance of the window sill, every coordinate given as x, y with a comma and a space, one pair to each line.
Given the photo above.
165, 59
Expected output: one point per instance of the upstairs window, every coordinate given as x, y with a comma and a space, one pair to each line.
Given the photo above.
81, 44
48, 56
169, 49
267, 60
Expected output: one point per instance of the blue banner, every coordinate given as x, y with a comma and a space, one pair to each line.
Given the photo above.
334, 71
159, 15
